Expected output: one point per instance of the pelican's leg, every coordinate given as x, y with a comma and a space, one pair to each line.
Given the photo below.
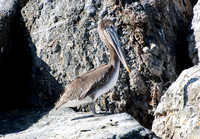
93, 108
94, 111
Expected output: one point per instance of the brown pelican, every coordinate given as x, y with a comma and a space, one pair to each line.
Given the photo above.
89, 86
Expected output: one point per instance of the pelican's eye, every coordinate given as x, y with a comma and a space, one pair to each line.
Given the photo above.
112, 27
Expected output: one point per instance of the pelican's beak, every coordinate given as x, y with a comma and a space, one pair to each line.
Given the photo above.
112, 38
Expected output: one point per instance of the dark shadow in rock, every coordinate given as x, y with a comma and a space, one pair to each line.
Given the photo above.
28, 89
124, 2
83, 117
192, 80
102, 114
44, 88
194, 2
15, 67
26, 81
19, 120
182, 56
92, 115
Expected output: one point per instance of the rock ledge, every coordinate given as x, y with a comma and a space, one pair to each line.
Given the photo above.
67, 123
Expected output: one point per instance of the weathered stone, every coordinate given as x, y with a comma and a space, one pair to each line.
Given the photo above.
64, 43
154, 49
137, 83
155, 65
90, 8
145, 50
194, 37
65, 123
178, 113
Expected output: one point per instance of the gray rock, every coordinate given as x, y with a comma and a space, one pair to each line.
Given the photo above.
194, 37
65, 123
154, 64
178, 113
154, 49
90, 8
138, 83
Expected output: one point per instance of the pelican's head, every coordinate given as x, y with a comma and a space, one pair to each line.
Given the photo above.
108, 35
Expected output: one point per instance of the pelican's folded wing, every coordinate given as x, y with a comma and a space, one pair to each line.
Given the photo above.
85, 84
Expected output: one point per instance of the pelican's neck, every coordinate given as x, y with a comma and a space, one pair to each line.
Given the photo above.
114, 59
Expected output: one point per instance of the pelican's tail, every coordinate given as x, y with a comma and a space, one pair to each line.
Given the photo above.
58, 104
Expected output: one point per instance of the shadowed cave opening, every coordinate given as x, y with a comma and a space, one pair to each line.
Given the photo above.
17, 63
182, 55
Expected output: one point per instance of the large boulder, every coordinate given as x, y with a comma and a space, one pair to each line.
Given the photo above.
15, 62
64, 43
178, 113
65, 123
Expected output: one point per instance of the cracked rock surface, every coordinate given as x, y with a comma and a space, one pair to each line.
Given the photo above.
65, 123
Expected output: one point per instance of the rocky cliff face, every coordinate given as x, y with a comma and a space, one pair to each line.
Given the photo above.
64, 43
59, 41
178, 113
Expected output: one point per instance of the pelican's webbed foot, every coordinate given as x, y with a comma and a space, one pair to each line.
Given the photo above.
94, 111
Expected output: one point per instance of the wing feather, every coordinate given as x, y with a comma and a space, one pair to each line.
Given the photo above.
85, 84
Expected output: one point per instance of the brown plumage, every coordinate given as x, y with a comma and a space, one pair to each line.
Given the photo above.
89, 86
